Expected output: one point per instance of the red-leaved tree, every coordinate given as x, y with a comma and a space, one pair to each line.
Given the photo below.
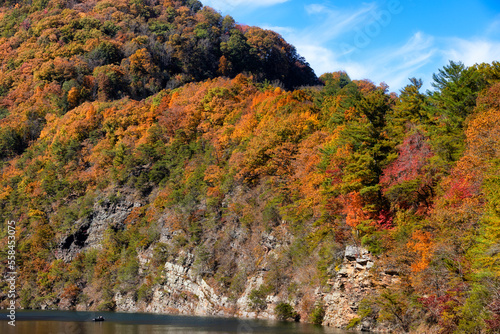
408, 181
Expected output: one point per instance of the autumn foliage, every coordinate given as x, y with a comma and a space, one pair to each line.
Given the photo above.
206, 137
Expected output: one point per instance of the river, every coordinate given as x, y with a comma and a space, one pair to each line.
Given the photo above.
69, 322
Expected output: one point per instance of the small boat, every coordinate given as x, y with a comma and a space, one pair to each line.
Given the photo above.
99, 318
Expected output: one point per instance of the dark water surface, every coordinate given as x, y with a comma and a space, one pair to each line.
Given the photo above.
68, 322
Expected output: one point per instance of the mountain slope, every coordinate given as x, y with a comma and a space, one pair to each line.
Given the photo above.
145, 172
67, 53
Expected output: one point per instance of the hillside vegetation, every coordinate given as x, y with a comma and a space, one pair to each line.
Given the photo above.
222, 135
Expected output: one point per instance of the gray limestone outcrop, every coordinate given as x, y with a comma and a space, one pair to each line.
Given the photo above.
184, 285
88, 232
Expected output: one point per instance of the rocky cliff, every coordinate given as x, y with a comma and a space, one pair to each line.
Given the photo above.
184, 292
182, 287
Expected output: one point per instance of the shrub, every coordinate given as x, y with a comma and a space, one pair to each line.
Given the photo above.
238, 283
128, 271
108, 305
145, 293
317, 315
26, 297
353, 323
285, 311
257, 298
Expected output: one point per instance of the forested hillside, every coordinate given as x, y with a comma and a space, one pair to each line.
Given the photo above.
138, 133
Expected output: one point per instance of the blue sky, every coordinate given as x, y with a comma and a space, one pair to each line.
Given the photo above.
380, 40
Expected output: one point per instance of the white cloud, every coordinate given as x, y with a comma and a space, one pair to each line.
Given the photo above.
280, 30
345, 39
473, 51
333, 22
396, 65
391, 65
324, 60
404, 62
323, 45
335, 42
225, 5
422, 55
315, 9
417, 42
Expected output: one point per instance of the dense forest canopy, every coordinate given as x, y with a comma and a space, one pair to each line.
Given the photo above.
224, 135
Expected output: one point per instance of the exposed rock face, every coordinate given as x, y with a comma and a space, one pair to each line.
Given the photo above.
182, 290
243, 303
72, 244
89, 231
126, 303
107, 214
355, 280
350, 286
